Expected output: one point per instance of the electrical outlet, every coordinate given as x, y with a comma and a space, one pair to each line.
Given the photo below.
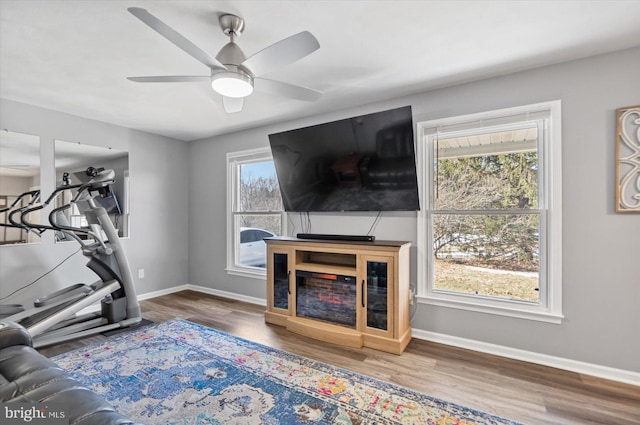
140, 273
412, 295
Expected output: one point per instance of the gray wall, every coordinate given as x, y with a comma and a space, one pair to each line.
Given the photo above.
601, 250
178, 203
158, 241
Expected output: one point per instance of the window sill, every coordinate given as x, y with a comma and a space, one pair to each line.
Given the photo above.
500, 310
255, 273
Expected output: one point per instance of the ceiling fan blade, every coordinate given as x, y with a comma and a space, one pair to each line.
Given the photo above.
286, 89
176, 38
281, 53
171, 79
232, 104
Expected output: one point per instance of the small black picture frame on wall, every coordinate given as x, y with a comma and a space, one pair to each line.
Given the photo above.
628, 159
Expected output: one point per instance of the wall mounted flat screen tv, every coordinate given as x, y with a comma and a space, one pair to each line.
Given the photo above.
364, 163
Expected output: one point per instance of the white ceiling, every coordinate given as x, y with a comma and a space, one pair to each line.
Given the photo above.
74, 56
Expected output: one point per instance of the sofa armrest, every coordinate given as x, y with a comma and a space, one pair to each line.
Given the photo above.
12, 333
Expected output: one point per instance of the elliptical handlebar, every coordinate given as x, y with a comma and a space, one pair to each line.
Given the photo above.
34, 193
101, 181
35, 197
68, 230
43, 227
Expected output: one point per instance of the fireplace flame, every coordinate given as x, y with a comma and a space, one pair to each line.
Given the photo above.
330, 299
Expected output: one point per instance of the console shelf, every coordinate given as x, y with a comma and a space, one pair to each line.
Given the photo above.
327, 268
349, 293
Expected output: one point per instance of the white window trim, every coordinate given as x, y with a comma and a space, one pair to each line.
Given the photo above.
550, 307
233, 160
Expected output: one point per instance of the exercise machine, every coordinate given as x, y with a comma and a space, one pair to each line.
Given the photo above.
55, 317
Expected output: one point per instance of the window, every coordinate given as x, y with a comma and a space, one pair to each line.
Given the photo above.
255, 210
489, 233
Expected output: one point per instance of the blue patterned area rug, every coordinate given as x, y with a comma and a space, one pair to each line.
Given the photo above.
179, 372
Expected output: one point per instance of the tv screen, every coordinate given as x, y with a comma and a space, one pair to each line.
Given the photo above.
364, 163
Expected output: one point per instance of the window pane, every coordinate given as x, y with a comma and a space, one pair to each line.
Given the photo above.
487, 255
252, 250
259, 190
487, 171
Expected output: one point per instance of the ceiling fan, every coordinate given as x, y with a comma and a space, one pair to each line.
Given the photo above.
233, 75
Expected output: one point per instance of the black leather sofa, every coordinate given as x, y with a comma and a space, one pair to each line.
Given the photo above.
26, 376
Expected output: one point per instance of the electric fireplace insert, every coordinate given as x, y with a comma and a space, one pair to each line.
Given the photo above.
327, 297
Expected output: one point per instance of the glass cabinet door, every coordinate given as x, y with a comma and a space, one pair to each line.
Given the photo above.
281, 280
377, 294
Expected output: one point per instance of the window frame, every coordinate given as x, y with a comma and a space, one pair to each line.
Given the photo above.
234, 161
549, 308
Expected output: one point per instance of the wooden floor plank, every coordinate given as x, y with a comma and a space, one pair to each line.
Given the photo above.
521, 391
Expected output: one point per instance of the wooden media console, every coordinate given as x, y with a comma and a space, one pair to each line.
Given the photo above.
349, 293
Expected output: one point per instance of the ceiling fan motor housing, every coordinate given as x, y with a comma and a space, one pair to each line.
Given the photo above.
235, 81
231, 55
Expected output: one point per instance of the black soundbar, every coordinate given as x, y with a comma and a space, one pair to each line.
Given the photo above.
352, 238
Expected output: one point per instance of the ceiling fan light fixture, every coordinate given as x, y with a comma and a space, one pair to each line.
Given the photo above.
232, 84
232, 73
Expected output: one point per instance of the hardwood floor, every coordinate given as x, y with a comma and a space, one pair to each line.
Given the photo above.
513, 389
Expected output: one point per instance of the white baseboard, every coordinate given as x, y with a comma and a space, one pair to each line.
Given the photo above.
605, 372
148, 295
230, 295
94, 308
161, 292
